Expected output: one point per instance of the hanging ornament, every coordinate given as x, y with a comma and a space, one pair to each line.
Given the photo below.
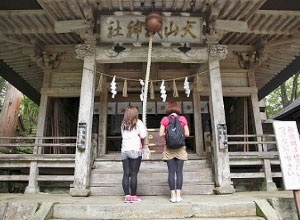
100, 84
175, 91
125, 94
142, 90
186, 86
113, 87
163, 91
152, 94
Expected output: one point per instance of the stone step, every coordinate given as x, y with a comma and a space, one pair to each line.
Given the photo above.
156, 208
151, 178
106, 178
149, 190
229, 218
148, 166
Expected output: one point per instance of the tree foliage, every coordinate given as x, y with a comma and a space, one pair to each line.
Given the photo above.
2, 91
283, 95
29, 112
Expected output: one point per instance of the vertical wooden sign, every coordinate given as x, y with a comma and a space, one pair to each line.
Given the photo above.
288, 144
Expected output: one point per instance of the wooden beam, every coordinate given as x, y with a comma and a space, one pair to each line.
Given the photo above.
217, 112
62, 92
41, 128
21, 13
15, 41
85, 116
252, 175
198, 124
69, 26
102, 122
232, 26
105, 54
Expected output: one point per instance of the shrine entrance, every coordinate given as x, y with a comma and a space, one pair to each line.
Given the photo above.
156, 107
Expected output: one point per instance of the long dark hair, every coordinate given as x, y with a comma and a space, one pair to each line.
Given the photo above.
173, 108
130, 118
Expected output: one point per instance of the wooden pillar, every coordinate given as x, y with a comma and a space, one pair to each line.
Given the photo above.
33, 186
217, 112
198, 124
85, 121
268, 185
102, 123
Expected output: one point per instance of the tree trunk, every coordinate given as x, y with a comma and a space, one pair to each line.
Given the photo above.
9, 116
295, 87
285, 100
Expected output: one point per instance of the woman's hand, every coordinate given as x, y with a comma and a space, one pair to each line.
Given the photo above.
162, 131
186, 131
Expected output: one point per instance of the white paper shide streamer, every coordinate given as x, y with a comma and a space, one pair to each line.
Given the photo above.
163, 93
113, 87
186, 86
142, 90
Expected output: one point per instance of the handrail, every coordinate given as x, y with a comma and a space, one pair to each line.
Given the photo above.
40, 138
250, 135
38, 145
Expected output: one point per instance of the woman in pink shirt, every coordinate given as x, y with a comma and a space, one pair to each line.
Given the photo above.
174, 157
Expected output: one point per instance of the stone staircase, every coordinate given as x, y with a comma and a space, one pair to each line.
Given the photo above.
154, 207
106, 177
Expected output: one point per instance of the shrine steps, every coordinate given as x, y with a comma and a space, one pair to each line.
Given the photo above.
106, 178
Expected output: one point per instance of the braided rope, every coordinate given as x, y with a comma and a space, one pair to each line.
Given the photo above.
158, 80
147, 81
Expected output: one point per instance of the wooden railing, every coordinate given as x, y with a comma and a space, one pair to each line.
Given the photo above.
258, 152
55, 145
20, 152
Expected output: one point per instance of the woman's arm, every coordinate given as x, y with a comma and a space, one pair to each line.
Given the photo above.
186, 131
143, 130
162, 131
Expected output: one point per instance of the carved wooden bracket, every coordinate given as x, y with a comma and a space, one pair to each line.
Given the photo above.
47, 60
83, 50
218, 50
251, 59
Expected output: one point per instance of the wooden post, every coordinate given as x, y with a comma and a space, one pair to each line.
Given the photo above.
297, 201
217, 112
102, 123
268, 185
85, 120
198, 124
33, 186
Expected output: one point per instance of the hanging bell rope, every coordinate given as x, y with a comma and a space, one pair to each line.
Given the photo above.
144, 118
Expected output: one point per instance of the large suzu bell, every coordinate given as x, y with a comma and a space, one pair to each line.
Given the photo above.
153, 22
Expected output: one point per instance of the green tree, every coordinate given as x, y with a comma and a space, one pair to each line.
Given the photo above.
283, 95
29, 112
2, 91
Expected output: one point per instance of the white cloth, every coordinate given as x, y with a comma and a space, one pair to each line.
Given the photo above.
131, 140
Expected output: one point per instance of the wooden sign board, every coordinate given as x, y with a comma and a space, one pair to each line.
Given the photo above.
131, 29
288, 144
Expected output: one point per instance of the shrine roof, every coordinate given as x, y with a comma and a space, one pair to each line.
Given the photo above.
272, 24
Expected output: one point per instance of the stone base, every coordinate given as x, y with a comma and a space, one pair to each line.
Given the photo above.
224, 190
80, 192
269, 187
32, 189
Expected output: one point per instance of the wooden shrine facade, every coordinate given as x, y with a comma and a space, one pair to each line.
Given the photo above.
61, 50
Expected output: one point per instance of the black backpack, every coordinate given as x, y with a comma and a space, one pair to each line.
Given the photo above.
175, 134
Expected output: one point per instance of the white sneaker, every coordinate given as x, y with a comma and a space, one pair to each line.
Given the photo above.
173, 199
178, 199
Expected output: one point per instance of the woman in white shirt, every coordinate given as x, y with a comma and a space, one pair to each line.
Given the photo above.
133, 131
